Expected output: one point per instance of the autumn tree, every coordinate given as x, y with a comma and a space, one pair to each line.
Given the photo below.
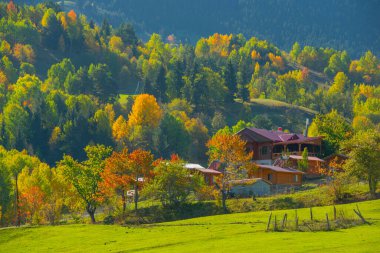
24, 53
15, 162
230, 152
120, 131
116, 177
5, 190
116, 44
85, 176
144, 118
140, 167
340, 84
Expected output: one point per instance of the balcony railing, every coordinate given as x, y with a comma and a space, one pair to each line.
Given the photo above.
278, 155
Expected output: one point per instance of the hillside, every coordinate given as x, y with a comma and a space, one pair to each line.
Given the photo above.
221, 233
280, 114
349, 25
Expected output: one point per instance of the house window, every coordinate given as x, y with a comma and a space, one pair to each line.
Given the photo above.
295, 178
264, 150
270, 177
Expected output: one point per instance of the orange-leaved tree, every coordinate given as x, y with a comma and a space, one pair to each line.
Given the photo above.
124, 171
141, 168
116, 177
235, 161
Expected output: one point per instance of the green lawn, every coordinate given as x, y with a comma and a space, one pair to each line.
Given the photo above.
223, 233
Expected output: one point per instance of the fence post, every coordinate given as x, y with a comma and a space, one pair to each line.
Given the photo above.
284, 220
328, 222
275, 223
296, 220
334, 213
268, 225
311, 213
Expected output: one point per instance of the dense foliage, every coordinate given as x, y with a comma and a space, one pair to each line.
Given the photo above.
197, 90
72, 91
342, 24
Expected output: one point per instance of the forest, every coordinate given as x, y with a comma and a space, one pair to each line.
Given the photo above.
73, 90
326, 23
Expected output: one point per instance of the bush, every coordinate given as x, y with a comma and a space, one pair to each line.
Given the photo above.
206, 193
109, 220
172, 184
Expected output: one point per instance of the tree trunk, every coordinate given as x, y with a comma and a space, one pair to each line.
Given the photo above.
224, 198
18, 221
91, 211
92, 216
124, 201
372, 186
136, 196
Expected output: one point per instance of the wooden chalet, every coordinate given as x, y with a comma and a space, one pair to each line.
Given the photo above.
267, 145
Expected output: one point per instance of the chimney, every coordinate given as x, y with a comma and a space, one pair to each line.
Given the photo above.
307, 127
279, 129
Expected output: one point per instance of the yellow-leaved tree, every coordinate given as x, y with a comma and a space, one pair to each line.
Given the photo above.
230, 152
143, 120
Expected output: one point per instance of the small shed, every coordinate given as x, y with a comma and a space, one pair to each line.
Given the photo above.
250, 187
208, 174
278, 175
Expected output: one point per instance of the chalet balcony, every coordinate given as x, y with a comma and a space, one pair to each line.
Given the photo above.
278, 155
295, 149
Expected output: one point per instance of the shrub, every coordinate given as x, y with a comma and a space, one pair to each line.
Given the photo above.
109, 220
206, 193
172, 184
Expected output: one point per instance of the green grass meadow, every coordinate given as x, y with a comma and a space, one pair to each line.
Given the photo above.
244, 232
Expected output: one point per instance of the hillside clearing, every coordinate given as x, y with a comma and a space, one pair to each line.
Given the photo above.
222, 233
278, 104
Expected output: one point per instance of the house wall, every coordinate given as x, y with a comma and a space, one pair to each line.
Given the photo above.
278, 177
289, 178
209, 178
258, 149
259, 188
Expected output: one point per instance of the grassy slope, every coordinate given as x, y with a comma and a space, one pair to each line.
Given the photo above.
279, 104
224, 233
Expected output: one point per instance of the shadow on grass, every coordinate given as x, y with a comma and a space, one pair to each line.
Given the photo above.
185, 211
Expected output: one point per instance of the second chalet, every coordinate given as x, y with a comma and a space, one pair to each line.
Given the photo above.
269, 147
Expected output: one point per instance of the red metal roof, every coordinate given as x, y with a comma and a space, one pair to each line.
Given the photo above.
310, 158
279, 136
200, 168
280, 169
